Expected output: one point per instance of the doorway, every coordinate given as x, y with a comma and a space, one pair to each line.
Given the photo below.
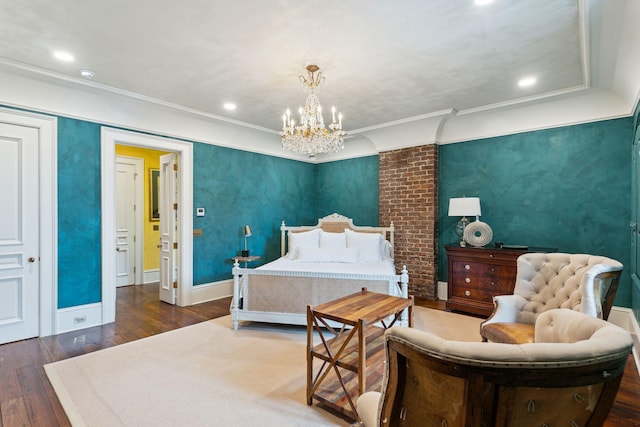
43, 133
109, 138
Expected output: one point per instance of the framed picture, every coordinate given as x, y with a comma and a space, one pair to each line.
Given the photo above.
154, 187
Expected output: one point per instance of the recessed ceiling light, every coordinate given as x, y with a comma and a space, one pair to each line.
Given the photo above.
63, 56
483, 2
87, 74
527, 81
230, 106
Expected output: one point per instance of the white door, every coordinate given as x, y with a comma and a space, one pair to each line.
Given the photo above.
125, 223
19, 241
168, 228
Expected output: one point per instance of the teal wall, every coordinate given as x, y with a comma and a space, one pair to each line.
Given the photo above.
79, 256
349, 187
567, 188
237, 188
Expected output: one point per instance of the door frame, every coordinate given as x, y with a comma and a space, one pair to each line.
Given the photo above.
47, 127
138, 245
109, 137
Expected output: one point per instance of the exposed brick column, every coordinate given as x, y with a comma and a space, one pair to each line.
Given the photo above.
408, 181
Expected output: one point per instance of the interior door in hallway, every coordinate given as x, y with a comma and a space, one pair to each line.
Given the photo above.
168, 227
19, 240
128, 232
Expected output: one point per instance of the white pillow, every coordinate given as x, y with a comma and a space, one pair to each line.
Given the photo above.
333, 240
387, 250
307, 239
346, 255
370, 245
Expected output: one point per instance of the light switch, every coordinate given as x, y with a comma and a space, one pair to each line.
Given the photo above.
199, 211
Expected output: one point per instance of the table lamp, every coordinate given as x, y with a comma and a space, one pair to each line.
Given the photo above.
464, 206
247, 233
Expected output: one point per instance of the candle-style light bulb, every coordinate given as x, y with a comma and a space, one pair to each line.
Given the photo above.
340, 121
333, 114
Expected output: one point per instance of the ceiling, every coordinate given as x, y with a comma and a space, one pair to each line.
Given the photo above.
383, 61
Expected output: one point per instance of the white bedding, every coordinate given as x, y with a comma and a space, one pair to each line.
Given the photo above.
385, 267
318, 264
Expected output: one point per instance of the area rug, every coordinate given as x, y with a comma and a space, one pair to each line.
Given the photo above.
209, 375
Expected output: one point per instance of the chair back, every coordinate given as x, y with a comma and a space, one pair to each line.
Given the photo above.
434, 382
581, 282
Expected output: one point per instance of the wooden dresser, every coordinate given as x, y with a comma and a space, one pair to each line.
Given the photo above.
475, 275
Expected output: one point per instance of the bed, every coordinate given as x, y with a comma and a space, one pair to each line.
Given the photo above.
318, 263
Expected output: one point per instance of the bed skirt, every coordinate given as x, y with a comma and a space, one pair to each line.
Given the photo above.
283, 296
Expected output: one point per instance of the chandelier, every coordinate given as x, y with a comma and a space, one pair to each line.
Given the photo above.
310, 137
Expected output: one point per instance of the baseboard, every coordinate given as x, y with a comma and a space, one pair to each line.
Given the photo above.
624, 318
211, 291
443, 291
78, 317
151, 276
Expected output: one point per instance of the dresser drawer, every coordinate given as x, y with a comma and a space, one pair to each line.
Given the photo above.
496, 279
473, 294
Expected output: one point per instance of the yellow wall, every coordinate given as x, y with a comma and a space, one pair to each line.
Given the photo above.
151, 236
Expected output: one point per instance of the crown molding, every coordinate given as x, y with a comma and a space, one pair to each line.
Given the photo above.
102, 87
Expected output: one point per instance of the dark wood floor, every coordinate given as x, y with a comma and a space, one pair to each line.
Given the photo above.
27, 398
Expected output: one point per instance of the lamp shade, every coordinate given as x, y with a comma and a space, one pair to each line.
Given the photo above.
247, 231
464, 206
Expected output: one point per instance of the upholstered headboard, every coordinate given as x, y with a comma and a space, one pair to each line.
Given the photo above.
334, 223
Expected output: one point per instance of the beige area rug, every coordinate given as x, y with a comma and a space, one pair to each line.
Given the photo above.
209, 375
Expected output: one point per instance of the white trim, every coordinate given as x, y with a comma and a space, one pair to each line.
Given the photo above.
48, 199
212, 291
435, 114
109, 138
79, 317
624, 318
151, 276
126, 93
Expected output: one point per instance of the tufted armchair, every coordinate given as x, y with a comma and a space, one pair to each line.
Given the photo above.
568, 377
544, 281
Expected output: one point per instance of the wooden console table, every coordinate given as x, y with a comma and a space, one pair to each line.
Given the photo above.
351, 355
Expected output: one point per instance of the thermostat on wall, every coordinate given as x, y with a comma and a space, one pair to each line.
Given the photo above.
199, 211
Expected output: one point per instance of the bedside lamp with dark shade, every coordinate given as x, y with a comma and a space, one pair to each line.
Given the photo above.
463, 207
247, 233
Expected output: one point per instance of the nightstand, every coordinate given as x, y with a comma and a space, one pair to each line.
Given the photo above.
245, 259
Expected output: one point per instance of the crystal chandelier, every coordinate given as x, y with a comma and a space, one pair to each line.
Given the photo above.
310, 137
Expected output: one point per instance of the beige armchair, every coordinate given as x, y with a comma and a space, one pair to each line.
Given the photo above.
545, 281
569, 376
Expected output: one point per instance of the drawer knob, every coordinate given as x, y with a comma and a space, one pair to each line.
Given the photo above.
493, 283
467, 293
490, 255
466, 279
467, 267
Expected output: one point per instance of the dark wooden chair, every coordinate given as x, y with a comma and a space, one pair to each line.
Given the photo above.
569, 377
